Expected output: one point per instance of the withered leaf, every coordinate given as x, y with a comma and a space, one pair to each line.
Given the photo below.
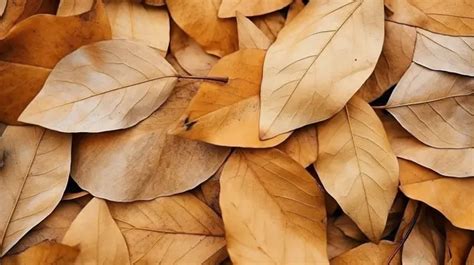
272, 209
74, 7
100, 87
302, 145
13, 12
230, 8
293, 10
458, 244
3, 5
368, 254
45, 253
298, 87
250, 36
338, 242
270, 24
155, 2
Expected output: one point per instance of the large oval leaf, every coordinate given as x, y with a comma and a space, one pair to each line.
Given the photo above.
104, 86
301, 83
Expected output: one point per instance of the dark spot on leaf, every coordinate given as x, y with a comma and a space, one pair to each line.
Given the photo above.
189, 125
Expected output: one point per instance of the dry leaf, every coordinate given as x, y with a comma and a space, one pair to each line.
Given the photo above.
144, 162
458, 244
302, 145
349, 228
298, 87
294, 9
45, 253
68, 196
227, 114
155, 2
270, 24
211, 190
447, 162
230, 8
217, 36
24, 69
33, 177
189, 54
368, 254
411, 210
338, 243
100, 87
250, 36
435, 107
451, 196
357, 166
131, 20
446, 17
171, 230
272, 209
74, 7
445, 53
97, 236
470, 258
14, 12
396, 57
3, 5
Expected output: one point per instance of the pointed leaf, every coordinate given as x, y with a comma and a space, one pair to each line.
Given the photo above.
338, 242
45, 253
230, 8
250, 37
270, 24
368, 254
302, 145
74, 7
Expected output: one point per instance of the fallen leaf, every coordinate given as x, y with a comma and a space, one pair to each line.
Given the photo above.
446, 17
435, 107
97, 236
357, 166
171, 230
293, 10
230, 8
349, 228
368, 254
24, 69
152, 163
445, 53
458, 244
447, 162
45, 253
217, 36
74, 7
270, 24
441, 193
338, 242
227, 114
34, 177
470, 258
272, 209
211, 191
100, 87
250, 36
155, 2
14, 12
130, 20
302, 145
408, 217
396, 57
298, 87
3, 5
74, 195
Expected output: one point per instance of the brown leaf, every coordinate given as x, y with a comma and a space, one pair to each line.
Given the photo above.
272, 209
3, 5
130, 20
97, 236
439, 192
34, 177
444, 53
13, 12
24, 68
227, 114
302, 145
349, 228
171, 230
298, 87
211, 190
144, 161
250, 36
338, 242
74, 7
458, 244
100, 87
155, 2
216, 36
396, 57
230, 8
446, 17
270, 24
293, 10
470, 258
435, 107
45, 253
368, 254
357, 166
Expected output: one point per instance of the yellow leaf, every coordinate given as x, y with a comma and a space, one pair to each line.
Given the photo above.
250, 36
230, 8
368, 254
45, 253
302, 145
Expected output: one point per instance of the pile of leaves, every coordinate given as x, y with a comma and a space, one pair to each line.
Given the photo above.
237, 131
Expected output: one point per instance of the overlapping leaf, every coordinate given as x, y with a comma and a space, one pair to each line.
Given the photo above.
45, 253
230, 8
250, 37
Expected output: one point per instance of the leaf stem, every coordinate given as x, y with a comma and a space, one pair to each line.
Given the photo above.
209, 78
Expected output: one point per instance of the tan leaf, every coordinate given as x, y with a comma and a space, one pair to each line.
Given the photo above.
130, 20
435, 107
24, 69
171, 230
250, 36
441, 193
217, 36
447, 162
273, 210
445, 53
270, 24
100, 87
446, 17
368, 254
302, 145
144, 161
227, 114
470, 258
338, 242
97, 236
74, 7
189, 54
230, 8
396, 57
357, 166
298, 87
68, 196
408, 217
45, 253
349, 228
155, 2
33, 177
458, 244
293, 10
14, 12
211, 190
3, 5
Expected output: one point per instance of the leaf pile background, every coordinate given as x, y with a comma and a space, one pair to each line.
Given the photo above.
236, 132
